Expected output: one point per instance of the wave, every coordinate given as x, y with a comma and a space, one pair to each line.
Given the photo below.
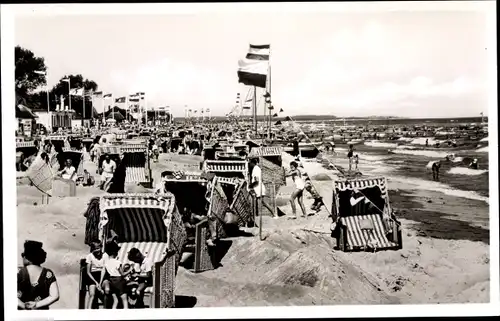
406, 139
421, 152
422, 184
375, 143
422, 141
373, 157
483, 149
406, 147
466, 171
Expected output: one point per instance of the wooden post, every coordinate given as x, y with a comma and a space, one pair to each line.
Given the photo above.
275, 207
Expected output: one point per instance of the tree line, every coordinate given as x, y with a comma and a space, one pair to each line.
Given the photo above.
30, 74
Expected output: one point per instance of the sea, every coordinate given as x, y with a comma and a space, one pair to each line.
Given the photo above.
406, 160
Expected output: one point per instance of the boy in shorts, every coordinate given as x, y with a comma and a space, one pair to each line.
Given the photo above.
114, 283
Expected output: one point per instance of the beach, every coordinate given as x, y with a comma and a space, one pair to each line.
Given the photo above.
445, 255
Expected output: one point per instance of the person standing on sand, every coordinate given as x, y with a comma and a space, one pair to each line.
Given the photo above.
435, 170
257, 186
108, 170
350, 155
37, 287
299, 189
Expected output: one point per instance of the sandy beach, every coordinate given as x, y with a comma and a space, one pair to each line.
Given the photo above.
445, 258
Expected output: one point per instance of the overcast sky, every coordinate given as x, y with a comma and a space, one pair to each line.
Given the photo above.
416, 64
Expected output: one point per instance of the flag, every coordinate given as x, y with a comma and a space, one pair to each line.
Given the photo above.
253, 72
107, 96
76, 92
287, 118
134, 95
271, 107
140, 93
259, 52
134, 99
65, 79
278, 122
88, 93
98, 93
120, 100
246, 107
253, 69
281, 110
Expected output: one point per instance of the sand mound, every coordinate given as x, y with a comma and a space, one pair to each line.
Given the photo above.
317, 267
321, 177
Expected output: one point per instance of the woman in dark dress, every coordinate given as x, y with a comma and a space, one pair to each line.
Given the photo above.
37, 287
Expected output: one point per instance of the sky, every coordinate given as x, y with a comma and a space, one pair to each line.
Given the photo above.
426, 63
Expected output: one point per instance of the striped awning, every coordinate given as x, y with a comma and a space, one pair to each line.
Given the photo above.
113, 150
358, 238
56, 137
138, 217
154, 251
363, 183
134, 148
229, 180
266, 151
135, 175
225, 166
25, 144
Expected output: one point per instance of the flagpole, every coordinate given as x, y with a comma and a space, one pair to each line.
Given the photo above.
69, 92
83, 118
270, 104
254, 109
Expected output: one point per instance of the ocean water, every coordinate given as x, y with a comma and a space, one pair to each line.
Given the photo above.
413, 164
470, 189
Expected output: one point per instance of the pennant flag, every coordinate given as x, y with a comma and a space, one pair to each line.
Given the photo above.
281, 110
287, 118
141, 93
120, 100
270, 107
253, 70
107, 96
275, 115
278, 122
133, 99
259, 52
134, 95
98, 93
248, 100
247, 107
208, 110
76, 92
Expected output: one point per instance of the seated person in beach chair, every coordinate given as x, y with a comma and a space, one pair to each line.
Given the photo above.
88, 180
68, 171
143, 268
190, 220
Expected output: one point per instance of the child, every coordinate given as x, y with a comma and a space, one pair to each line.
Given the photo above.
356, 162
88, 180
115, 284
95, 265
144, 268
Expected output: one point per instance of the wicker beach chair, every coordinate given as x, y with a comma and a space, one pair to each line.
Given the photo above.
362, 227
23, 150
148, 222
